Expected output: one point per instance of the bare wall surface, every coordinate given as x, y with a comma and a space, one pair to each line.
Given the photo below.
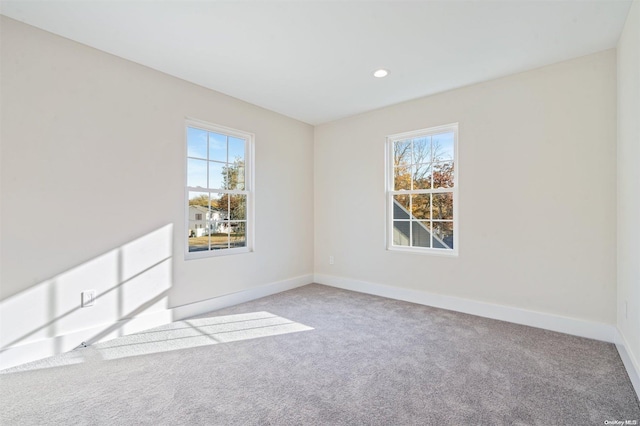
629, 184
93, 175
537, 158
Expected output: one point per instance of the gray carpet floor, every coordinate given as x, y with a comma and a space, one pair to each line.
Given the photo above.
320, 355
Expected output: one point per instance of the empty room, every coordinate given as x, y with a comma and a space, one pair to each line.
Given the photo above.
320, 212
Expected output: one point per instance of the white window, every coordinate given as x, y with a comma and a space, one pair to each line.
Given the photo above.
219, 190
422, 190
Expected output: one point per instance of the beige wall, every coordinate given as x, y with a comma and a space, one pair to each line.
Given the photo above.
92, 173
537, 192
629, 183
93, 160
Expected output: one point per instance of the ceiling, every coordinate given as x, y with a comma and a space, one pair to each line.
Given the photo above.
314, 61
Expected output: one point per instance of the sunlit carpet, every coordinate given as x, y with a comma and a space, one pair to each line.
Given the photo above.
319, 355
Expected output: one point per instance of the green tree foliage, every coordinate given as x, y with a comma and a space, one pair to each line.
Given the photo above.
233, 206
200, 200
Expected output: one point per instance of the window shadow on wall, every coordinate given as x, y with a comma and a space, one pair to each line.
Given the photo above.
131, 284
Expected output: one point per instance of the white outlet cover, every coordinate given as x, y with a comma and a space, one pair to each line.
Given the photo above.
88, 298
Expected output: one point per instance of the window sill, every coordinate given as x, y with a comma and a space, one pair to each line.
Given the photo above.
205, 254
424, 251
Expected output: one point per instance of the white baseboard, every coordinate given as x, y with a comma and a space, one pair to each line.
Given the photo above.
573, 326
631, 363
35, 350
199, 308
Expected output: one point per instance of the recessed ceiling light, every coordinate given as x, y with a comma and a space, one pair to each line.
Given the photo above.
381, 73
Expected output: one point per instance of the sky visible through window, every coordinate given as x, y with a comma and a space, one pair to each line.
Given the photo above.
218, 155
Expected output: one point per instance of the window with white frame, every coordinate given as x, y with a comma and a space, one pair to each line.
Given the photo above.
219, 197
422, 190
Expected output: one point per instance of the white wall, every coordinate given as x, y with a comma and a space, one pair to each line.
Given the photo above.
537, 169
629, 184
92, 179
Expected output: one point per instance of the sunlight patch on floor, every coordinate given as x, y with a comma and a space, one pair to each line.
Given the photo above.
177, 335
199, 332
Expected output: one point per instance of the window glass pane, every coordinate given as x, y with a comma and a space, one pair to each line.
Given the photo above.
237, 207
234, 176
214, 220
241, 177
443, 147
401, 207
443, 206
237, 234
222, 204
217, 175
420, 234
220, 239
443, 175
422, 150
236, 149
215, 203
421, 206
197, 173
217, 147
200, 243
199, 199
422, 176
402, 153
401, 178
220, 219
443, 235
196, 143
401, 233
209, 229
198, 210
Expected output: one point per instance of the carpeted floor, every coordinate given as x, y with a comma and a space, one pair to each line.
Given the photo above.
319, 355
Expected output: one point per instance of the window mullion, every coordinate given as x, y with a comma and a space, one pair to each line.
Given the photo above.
431, 218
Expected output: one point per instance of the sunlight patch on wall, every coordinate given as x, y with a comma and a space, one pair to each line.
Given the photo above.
129, 281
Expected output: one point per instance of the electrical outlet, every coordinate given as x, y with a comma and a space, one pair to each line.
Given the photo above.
88, 298
330, 260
